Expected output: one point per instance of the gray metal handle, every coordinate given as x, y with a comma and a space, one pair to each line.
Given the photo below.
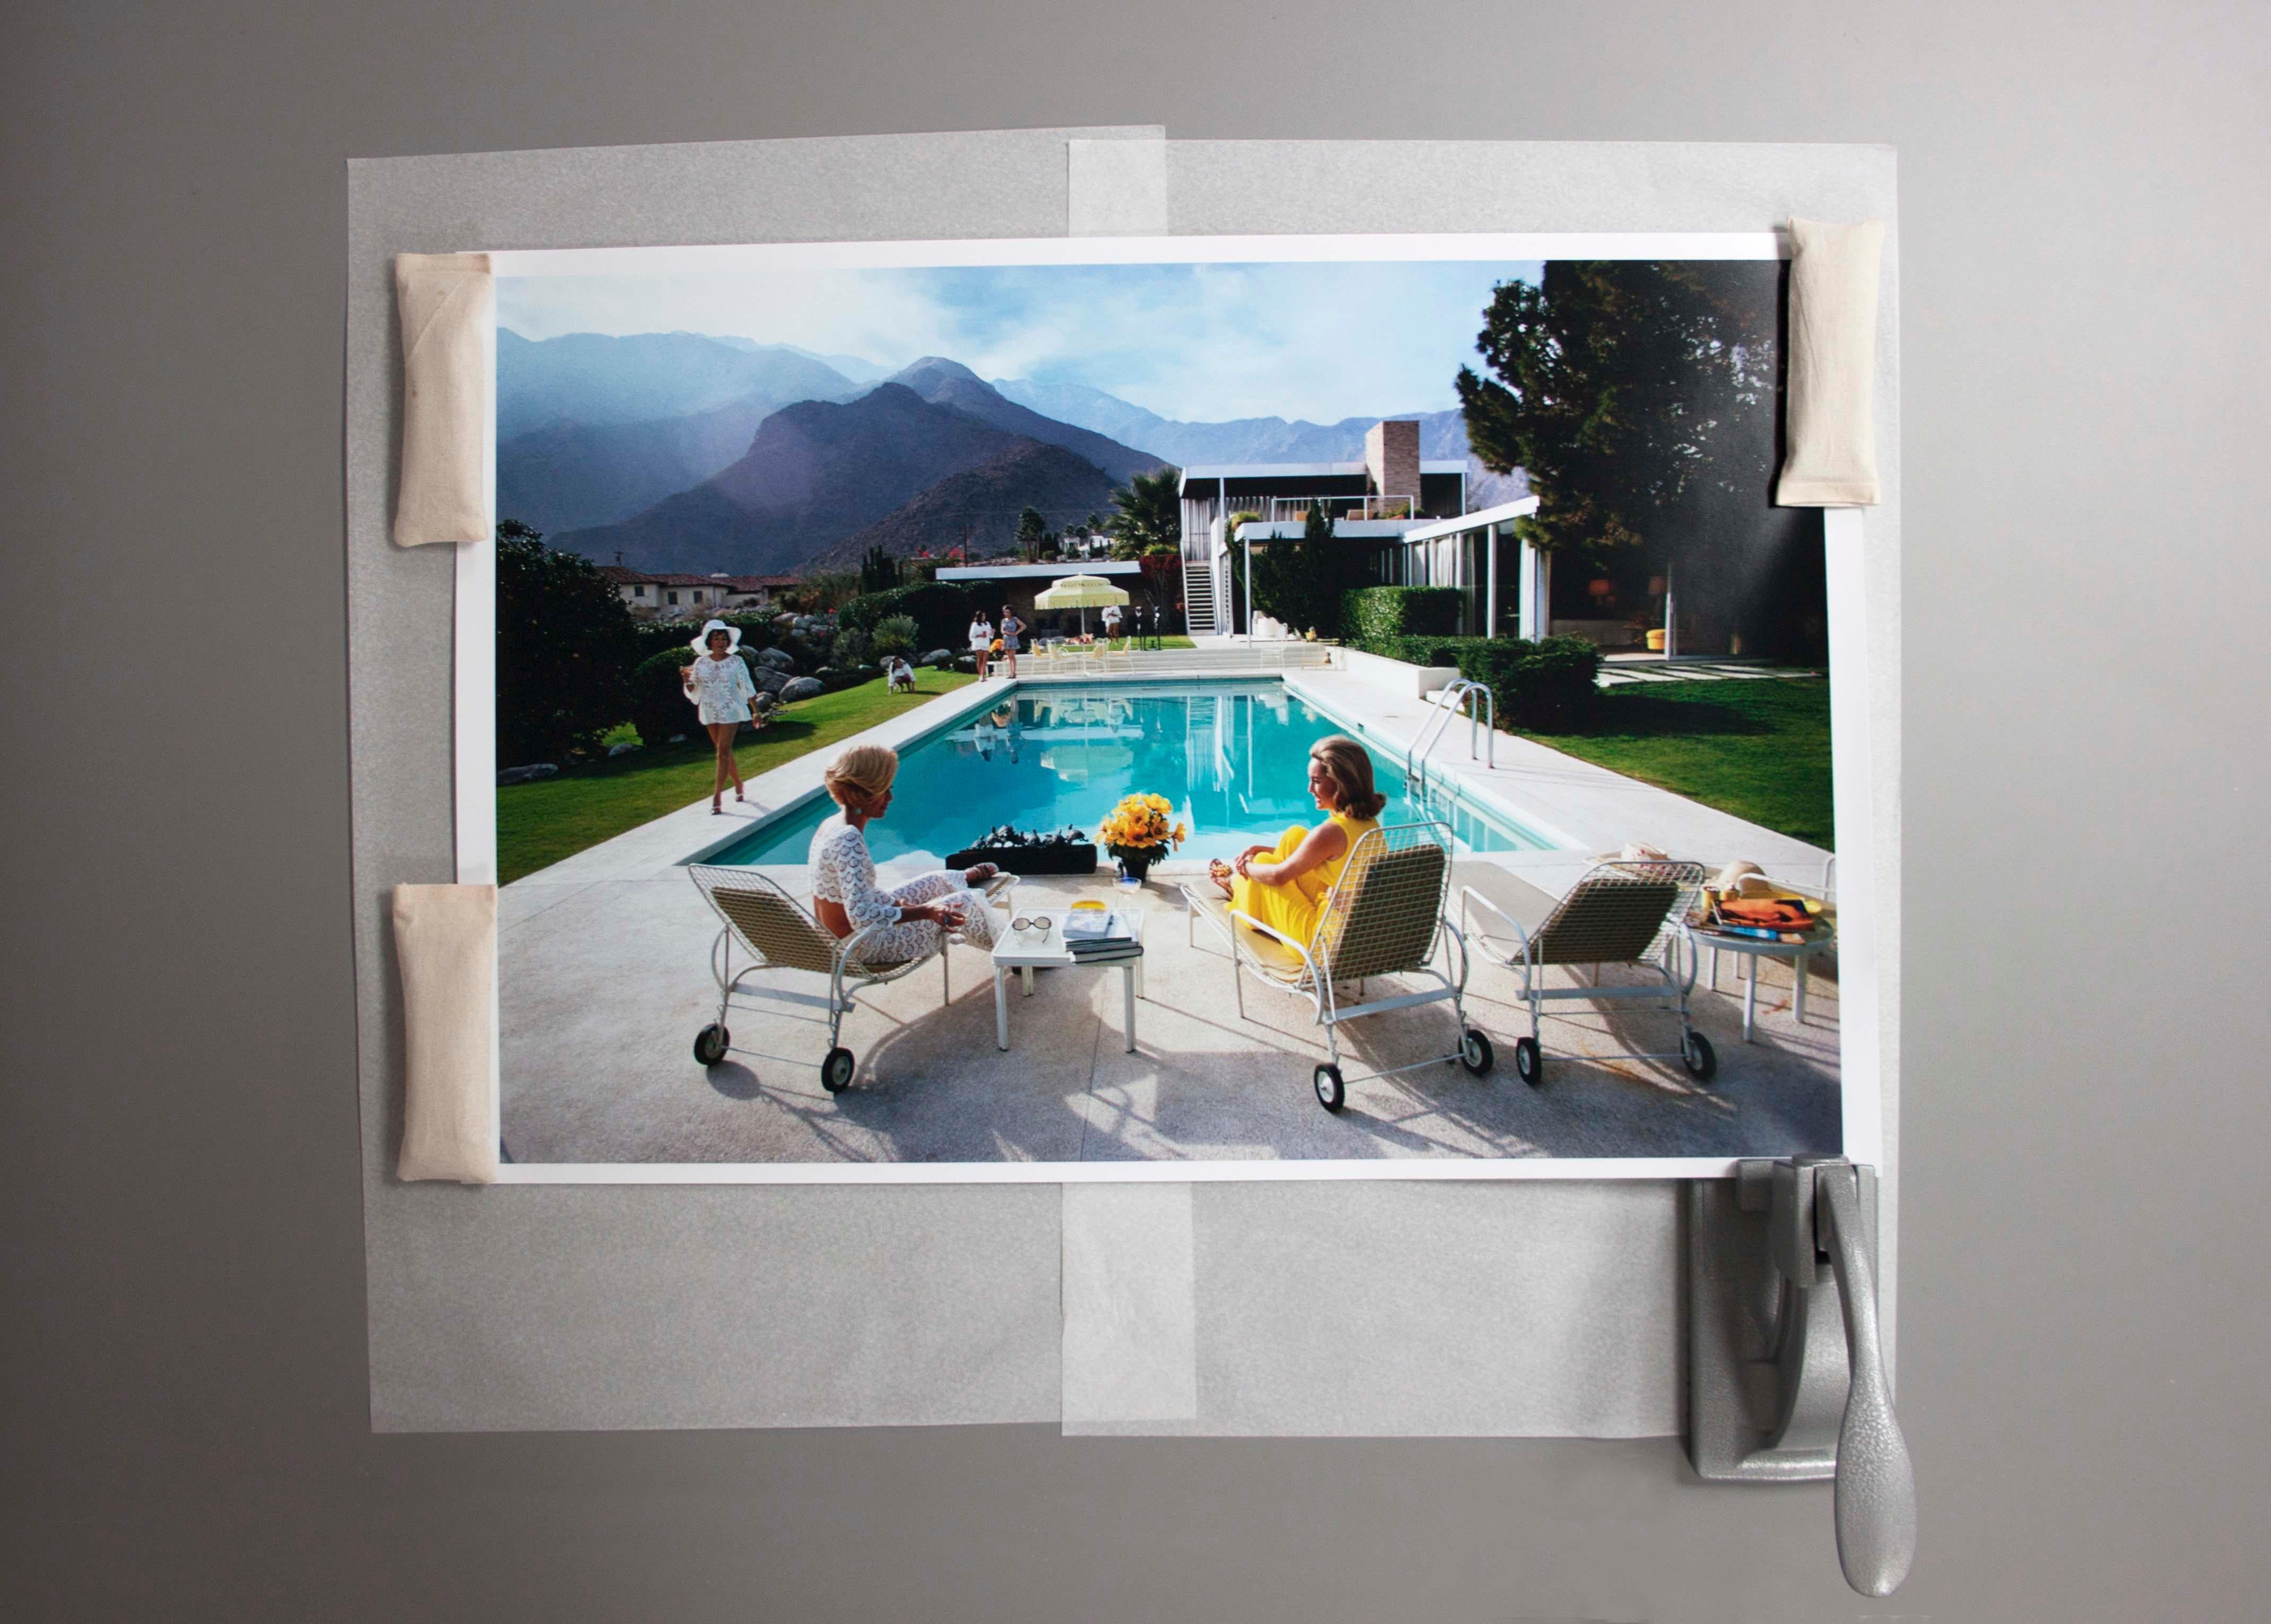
1875, 1494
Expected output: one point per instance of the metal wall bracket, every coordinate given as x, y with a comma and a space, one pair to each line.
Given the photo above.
1786, 1379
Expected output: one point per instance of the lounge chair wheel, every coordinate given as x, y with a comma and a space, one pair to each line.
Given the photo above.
1697, 1055
1332, 1094
836, 1071
709, 1043
1476, 1054
1529, 1062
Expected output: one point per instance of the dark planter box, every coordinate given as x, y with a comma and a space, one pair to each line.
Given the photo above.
1056, 859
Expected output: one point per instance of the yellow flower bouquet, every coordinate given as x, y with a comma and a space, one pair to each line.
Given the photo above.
1140, 831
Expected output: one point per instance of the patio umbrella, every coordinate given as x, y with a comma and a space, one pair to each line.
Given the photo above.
1081, 592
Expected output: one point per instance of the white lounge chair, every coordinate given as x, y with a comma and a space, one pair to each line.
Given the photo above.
1619, 913
778, 933
1384, 917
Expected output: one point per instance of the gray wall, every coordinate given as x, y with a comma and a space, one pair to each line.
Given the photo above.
2083, 1332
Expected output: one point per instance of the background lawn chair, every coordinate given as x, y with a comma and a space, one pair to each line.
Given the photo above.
778, 933
1384, 917
1619, 913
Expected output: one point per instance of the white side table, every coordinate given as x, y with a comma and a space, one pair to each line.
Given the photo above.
1755, 948
1022, 951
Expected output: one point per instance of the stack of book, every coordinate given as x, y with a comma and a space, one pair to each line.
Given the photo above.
1098, 935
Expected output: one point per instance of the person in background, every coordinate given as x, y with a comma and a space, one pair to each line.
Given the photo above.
898, 676
720, 687
1111, 622
1284, 887
1012, 629
845, 898
981, 640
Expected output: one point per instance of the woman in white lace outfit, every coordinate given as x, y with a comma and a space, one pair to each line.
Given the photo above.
845, 897
720, 684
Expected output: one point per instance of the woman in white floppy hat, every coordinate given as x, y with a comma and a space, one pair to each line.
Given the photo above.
719, 683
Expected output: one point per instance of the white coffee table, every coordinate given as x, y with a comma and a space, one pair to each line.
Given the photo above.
1023, 952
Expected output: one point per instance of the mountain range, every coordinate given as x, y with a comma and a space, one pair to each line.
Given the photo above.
815, 473
681, 452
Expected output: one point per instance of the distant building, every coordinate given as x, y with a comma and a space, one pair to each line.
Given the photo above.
670, 595
1373, 504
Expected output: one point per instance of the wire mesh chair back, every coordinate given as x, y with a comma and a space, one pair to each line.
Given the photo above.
1617, 913
765, 919
1383, 913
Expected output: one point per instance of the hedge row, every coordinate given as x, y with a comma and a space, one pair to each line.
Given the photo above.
1371, 614
1535, 685
941, 609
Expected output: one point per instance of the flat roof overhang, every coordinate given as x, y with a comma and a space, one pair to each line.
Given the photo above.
1031, 572
1480, 519
1281, 471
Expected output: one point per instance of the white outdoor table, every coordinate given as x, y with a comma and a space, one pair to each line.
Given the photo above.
1018, 950
1758, 947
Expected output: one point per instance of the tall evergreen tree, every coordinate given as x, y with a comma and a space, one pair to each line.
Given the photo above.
879, 571
1631, 393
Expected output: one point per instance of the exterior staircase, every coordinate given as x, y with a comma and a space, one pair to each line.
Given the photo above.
1198, 598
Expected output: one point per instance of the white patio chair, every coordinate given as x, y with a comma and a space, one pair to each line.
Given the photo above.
1383, 917
778, 933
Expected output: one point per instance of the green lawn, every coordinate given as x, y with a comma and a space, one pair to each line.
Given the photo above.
539, 824
1758, 748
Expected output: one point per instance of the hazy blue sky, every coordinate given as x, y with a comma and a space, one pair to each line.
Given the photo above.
1197, 342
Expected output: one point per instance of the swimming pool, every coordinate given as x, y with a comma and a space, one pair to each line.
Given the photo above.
1231, 756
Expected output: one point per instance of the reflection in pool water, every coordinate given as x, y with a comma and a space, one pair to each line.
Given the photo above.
1231, 756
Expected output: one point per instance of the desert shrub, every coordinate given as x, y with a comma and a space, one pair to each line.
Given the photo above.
941, 610
893, 634
1370, 613
850, 646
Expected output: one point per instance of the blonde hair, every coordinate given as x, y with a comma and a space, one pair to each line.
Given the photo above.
1349, 765
864, 771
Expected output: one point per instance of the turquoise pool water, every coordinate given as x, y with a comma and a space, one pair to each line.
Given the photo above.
1233, 757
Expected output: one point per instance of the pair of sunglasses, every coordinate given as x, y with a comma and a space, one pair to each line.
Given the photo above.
1039, 924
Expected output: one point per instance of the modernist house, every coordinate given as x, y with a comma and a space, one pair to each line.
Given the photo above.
1376, 504
1748, 584
677, 596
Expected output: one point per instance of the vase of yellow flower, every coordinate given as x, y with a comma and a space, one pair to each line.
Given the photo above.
1138, 831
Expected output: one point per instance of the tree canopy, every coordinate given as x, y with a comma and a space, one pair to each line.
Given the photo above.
1147, 512
564, 651
1300, 580
1638, 396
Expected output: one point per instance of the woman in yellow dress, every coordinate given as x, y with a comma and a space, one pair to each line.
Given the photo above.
1286, 886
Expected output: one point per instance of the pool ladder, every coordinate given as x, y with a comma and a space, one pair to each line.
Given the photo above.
1448, 703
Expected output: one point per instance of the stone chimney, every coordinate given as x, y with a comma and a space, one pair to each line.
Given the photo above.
1391, 459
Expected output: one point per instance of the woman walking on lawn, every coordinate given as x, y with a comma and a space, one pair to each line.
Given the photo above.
719, 683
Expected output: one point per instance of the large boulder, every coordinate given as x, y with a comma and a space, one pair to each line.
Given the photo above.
941, 657
801, 688
527, 774
780, 659
768, 679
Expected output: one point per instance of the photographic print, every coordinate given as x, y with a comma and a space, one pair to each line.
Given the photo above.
1159, 707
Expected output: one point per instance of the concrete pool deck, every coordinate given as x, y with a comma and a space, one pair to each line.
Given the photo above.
604, 981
